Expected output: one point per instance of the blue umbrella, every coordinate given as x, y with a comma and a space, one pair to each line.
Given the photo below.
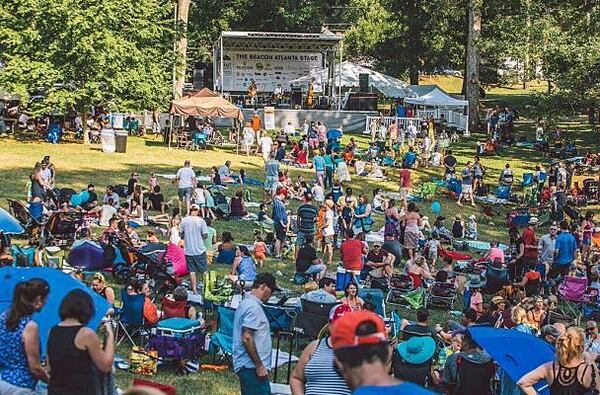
8, 223
516, 352
60, 284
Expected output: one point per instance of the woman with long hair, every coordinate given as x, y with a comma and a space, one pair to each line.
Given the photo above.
20, 367
569, 373
412, 222
73, 349
351, 297
101, 287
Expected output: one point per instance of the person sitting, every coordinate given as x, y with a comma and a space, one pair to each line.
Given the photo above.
20, 366
440, 228
237, 206
352, 251
380, 263
151, 313
73, 348
531, 283
506, 177
176, 304
494, 253
414, 360
418, 270
410, 159
351, 297
494, 314
469, 371
419, 328
325, 293
302, 158
458, 227
156, 200
243, 267
226, 249
307, 262
107, 211
101, 287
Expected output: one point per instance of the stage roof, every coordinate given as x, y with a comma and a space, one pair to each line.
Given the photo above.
278, 41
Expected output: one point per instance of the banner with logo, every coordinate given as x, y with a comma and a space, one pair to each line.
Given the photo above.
267, 69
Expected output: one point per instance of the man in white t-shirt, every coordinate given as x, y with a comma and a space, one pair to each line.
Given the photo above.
107, 211
193, 231
328, 233
266, 145
289, 129
186, 181
318, 193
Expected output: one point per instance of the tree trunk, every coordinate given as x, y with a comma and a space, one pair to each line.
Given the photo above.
183, 7
472, 76
527, 60
84, 119
413, 8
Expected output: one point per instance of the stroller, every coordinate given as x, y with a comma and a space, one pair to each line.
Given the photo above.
62, 228
591, 190
222, 205
33, 227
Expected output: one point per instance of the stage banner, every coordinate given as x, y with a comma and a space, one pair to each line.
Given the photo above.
267, 69
269, 118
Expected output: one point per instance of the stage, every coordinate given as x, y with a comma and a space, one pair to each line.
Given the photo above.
350, 121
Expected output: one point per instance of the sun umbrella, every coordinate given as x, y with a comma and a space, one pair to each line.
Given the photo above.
516, 352
8, 223
60, 284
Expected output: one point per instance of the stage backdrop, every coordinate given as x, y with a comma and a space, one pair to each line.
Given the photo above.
267, 68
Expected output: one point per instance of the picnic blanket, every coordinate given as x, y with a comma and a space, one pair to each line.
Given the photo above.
492, 200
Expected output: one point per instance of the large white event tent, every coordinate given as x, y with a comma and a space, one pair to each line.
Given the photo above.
348, 77
436, 98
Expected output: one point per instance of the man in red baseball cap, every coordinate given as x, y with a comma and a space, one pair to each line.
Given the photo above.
363, 355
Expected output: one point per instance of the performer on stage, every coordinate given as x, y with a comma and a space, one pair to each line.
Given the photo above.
310, 93
252, 93
277, 94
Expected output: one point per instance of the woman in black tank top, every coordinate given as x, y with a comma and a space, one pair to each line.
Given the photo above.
570, 373
73, 349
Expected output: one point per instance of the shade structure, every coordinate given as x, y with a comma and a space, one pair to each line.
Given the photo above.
8, 224
516, 352
436, 98
88, 255
60, 285
206, 103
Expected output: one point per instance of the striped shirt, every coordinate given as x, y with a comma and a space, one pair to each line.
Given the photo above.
320, 374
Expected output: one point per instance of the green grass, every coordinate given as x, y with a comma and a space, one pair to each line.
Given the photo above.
77, 165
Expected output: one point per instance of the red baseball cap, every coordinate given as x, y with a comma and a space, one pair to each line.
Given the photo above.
343, 330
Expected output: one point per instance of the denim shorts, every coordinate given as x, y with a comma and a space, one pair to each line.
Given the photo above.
250, 384
196, 263
184, 193
301, 237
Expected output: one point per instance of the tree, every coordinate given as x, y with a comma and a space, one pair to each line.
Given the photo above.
472, 68
78, 53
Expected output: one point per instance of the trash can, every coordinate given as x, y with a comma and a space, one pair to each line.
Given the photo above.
121, 141
107, 137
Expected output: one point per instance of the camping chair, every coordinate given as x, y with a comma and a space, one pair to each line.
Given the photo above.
376, 297
473, 378
281, 321
414, 373
313, 317
131, 318
575, 295
222, 340
441, 294
213, 293
183, 139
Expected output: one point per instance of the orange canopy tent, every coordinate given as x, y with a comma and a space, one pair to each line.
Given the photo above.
206, 103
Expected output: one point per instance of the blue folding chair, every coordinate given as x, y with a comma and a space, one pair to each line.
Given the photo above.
374, 296
222, 340
130, 317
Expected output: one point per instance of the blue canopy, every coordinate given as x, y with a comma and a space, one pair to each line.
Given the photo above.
88, 255
60, 284
516, 352
8, 223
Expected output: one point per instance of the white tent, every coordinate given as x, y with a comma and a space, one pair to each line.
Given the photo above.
436, 98
388, 86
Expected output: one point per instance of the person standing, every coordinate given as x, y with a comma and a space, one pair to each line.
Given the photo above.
186, 180
20, 366
405, 184
307, 215
565, 250
546, 247
467, 185
194, 231
319, 164
252, 338
449, 165
248, 135
280, 220
328, 231
271, 177
266, 146
530, 254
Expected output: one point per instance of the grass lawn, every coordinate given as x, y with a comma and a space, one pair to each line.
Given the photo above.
78, 165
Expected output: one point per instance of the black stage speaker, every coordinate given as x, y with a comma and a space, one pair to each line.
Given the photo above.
363, 82
361, 102
296, 98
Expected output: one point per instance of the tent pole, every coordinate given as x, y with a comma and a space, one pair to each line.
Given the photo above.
221, 60
339, 106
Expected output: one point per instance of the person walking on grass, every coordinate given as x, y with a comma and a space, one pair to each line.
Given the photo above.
194, 231
252, 338
467, 185
186, 180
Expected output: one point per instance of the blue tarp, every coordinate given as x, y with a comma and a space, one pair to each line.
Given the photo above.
8, 224
60, 284
516, 352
